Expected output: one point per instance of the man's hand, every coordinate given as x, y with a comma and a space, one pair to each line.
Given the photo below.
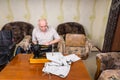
47, 43
34, 42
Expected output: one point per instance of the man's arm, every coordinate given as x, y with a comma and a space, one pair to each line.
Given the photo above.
34, 42
56, 38
52, 42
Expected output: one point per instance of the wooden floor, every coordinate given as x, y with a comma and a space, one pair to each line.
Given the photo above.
21, 69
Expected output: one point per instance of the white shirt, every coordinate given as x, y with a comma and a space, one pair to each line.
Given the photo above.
43, 37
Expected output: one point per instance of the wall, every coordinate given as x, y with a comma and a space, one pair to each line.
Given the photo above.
93, 14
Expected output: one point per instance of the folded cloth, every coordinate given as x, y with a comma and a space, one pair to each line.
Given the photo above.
56, 69
55, 57
59, 65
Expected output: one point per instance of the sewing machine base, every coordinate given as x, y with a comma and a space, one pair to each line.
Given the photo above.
42, 59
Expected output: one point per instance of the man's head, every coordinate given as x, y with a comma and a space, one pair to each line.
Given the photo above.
43, 25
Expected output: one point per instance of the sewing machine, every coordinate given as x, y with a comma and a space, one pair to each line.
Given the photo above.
39, 55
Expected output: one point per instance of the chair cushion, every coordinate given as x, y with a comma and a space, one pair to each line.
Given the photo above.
75, 40
110, 75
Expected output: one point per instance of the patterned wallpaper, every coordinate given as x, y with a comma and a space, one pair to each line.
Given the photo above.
92, 14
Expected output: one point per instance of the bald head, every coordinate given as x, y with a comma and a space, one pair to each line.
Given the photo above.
43, 24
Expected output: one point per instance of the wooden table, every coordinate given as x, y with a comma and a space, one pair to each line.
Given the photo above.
20, 69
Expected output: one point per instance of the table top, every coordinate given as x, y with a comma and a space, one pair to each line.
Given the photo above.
21, 69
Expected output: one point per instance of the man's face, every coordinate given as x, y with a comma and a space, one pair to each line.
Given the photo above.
43, 25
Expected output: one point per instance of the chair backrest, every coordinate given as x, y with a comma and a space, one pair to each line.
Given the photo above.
19, 29
75, 40
70, 27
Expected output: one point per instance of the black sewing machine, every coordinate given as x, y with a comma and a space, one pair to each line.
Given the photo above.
40, 50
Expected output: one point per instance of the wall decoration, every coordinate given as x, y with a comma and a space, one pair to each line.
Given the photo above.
27, 15
61, 16
104, 21
92, 18
77, 17
44, 14
10, 16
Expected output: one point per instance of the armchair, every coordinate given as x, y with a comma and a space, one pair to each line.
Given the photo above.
73, 39
22, 32
108, 66
13, 35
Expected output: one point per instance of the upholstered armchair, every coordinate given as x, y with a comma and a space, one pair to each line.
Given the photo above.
73, 39
108, 66
20, 29
22, 32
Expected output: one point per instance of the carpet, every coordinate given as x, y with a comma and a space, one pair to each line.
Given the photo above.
90, 64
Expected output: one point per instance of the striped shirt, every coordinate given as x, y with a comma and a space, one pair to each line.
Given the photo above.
43, 37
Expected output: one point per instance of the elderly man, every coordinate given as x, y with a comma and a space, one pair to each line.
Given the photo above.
44, 34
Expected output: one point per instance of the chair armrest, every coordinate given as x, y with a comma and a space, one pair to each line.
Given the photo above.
61, 45
92, 46
88, 47
25, 43
106, 61
109, 60
110, 75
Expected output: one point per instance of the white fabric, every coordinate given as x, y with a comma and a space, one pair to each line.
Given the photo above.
43, 37
56, 69
55, 57
59, 65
